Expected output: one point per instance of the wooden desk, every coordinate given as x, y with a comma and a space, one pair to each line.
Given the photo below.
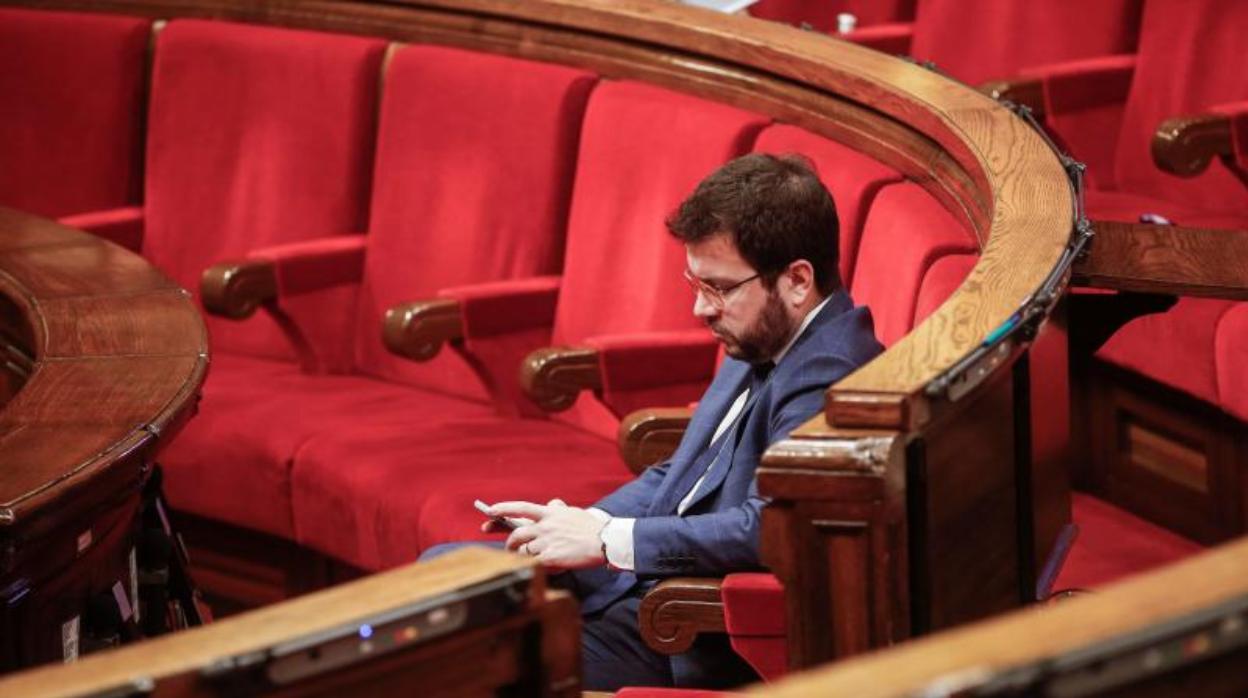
532, 651
106, 356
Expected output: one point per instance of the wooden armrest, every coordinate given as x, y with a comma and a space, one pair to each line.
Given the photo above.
1166, 259
675, 611
1025, 91
647, 437
552, 377
417, 330
235, 289
1185, 145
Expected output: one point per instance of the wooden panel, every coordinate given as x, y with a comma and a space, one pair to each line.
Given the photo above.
1167, 456
970, 537
1167, 259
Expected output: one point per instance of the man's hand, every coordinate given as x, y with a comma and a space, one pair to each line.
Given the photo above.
557, 535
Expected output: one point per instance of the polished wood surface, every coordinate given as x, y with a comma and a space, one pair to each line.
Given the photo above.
553, 377
1185, 145
976, 652
647, 437
237, 289
111, 355
119, 355
418, 330
677, 610
1166, 259
173, 661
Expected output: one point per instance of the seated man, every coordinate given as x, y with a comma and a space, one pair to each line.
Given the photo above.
761, 240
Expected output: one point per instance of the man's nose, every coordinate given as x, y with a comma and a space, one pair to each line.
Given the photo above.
703, 308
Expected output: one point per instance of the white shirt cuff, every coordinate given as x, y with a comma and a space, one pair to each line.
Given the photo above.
618, 537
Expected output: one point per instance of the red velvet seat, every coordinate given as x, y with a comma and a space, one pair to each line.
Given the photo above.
1189, 62
1112, 545
70, 124
244, 151
408, 486
853, 179
978, 40
906, 232
435, 220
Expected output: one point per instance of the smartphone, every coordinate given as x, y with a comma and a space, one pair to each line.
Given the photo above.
503, 521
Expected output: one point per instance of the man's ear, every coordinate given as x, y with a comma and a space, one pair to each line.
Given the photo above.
799, 277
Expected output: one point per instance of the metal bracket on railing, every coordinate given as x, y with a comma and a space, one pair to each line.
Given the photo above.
1024, 324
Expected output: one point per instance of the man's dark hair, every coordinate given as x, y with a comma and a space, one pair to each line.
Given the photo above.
776, 211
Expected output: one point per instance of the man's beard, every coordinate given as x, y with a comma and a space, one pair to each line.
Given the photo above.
763, 339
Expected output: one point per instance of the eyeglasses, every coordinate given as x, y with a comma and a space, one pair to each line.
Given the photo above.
716, 296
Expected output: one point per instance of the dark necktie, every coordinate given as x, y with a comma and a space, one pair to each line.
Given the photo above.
727, 445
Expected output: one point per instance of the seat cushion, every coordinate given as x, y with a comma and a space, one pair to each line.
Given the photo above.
906, 232
471, 186
1230, 357
244, 151
378, 494
622, 194
755, 620
72, 86
233, 461
1175, 348
1113, 544
1008, 36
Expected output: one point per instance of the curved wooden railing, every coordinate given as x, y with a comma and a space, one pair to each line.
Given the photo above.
1179, 631
842, 486
108, 356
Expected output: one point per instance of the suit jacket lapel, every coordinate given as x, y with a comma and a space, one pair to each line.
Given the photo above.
688, 465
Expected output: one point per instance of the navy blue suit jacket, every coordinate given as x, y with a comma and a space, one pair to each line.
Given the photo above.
719, 532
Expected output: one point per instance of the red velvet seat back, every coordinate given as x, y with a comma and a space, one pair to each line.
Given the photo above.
256, 136
475, 159
71, 105
978, 40
906, 233
822, 14
643, 150
1192, 56
852, 178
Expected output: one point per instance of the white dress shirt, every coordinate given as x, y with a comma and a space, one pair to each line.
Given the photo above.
617, 534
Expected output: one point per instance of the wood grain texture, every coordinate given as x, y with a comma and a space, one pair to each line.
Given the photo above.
119, 353
984, 164
419, 329
1185, 145
651, 436
1025, 636
188, 651
1166, 259
236, 289
676, 611
553, 377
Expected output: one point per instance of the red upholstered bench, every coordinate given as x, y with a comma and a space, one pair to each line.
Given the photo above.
377, 494
70, 127
438, 219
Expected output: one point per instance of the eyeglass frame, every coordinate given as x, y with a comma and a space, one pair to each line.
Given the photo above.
717, 297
